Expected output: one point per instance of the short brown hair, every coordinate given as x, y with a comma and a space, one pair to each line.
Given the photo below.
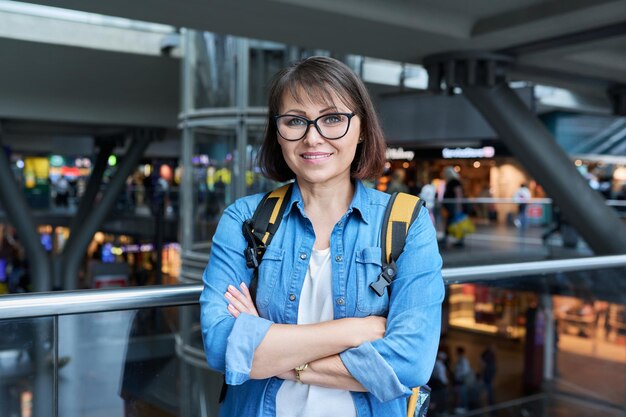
319, 77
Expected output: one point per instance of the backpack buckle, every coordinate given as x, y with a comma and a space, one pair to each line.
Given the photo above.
251, 259
254, 256
384, 279
255, 250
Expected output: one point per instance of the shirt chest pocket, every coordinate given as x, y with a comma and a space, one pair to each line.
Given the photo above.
269, 271
368, 268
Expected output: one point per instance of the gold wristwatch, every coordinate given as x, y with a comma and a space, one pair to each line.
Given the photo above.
299, 370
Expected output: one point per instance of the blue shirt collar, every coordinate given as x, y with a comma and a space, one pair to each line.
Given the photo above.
359, 203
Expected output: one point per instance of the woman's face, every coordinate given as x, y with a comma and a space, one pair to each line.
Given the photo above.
314, 159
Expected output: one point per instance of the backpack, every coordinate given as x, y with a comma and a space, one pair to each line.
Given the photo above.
402, 210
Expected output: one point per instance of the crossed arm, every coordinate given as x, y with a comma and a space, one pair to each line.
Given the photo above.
286, 346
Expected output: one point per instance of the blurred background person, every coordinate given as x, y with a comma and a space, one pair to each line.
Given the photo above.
397, 183
453, 191
521, 196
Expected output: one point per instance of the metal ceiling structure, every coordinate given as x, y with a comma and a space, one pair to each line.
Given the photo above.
578, 44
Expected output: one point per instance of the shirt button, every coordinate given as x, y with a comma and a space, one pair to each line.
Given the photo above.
303, 256
340, 301
292, 297
339, 223
338, 258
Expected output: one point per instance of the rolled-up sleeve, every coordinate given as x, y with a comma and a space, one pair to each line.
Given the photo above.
246, 335
229, 343
389, 367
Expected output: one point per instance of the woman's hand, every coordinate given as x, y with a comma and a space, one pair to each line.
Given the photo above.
240, 301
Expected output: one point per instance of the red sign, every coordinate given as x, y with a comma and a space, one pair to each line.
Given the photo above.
534, 211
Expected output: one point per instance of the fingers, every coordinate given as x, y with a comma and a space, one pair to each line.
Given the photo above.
233, 311
236, 299
245, 291
242, 296
240, 301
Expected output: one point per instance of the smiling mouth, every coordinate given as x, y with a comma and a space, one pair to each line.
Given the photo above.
316, 156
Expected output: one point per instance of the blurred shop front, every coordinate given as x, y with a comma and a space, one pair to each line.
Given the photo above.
487, 171
587, 328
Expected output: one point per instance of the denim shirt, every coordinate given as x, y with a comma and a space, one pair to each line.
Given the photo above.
388, 367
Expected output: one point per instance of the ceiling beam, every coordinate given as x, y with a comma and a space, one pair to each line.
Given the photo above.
575, 38
543, 11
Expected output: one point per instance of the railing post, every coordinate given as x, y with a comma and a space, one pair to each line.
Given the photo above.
549, 349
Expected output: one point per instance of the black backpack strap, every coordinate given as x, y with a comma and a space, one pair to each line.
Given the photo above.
402, 210
260, 229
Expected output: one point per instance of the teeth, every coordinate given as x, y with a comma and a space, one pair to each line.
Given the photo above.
315, 156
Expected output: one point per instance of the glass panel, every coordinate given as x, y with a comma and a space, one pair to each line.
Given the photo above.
591, 348
212, 180
214, 70
150, 362
27, 367
125, 364
512, 317
546, 406
266, 59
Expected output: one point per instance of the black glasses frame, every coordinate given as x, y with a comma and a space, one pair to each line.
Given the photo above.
310, 122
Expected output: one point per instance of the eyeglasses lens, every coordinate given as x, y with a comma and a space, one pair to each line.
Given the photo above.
330, 126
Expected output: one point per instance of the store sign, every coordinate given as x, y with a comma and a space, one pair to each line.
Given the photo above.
534, 211
57, 160
484, 152
399, 153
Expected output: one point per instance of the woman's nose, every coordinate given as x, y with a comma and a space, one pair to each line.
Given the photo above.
313, 136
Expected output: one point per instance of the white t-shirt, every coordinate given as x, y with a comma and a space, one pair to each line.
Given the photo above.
522, 195
428, 194
316, 305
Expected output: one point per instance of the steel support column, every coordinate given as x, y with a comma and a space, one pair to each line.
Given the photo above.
84, 207
531, 142
483, 79
79, 239
18, 213
186, 220
242, 100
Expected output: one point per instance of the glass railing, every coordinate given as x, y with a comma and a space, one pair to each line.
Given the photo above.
558, 329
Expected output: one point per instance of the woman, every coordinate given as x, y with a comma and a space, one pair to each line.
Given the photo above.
356, 353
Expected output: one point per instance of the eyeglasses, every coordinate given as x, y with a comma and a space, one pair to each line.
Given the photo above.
330, 126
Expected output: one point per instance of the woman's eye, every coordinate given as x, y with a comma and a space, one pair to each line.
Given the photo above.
295, 121
332, 119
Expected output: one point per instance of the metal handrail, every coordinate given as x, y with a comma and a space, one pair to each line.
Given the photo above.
43, 304
510, 270
101, 300
512, 200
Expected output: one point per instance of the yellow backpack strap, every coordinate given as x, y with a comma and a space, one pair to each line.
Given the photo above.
270, 212
412, 404
402, 210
